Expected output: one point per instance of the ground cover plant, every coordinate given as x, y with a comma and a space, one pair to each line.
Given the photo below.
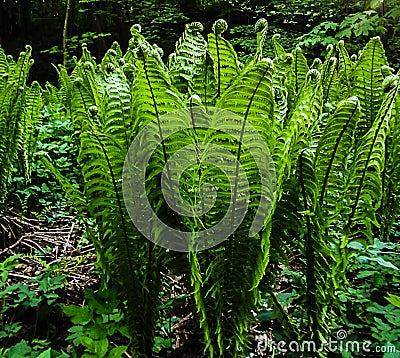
330, 124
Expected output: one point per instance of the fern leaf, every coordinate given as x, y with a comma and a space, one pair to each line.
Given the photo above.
203, 83
278, 48
366, 82
299, 71
316, 251
30, 123
190, 51
365, 191
391, 176
12, 101
261, 28
332, 155
226, 66
345, 65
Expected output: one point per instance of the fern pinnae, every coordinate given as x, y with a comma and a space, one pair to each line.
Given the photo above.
300, 69
218, 68
224, 57
327, 63
309, 251
261, 28
240, 142
344, 63
370, 161
189, 52
330, 77
118, 106
351, 105
366, 82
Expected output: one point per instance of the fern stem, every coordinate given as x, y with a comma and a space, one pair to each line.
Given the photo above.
311, 285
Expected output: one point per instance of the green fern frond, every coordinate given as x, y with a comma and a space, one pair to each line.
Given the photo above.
318, 295
225, 60
345, 66
331, 85
4, 69
366, 83
278, 48
365, 190
75, 197
12, 102
112, 57
189, 53
390, 205
203, 82
261, 28
298, 73
332, 155
30, 124
297, 133
117, 104
217, 272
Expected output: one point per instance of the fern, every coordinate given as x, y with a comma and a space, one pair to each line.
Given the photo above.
30, 123
391, 175
298, 73
225, 61
188, 56
331, 132
332, 157
318, 295
219, 287
365, 181
13, 129
366, 82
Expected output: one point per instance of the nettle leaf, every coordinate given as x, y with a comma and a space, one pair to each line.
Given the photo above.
21, 349
78, 315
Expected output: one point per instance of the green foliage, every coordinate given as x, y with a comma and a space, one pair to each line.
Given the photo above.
42, 196
30, 306
377, 273
377, 18
330, 127
19, 117
94, 324
74, 43
35, 348
364, 312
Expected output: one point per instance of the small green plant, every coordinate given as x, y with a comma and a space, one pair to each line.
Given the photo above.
374, 275
353, 27
32, 349
163, 339
26, 311
96, 324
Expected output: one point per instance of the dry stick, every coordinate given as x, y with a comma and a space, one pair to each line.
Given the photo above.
20, 276
12, 246
64, 41
69, 237
29, 242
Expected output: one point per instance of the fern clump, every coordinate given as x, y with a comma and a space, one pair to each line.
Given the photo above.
20, 117
329, 124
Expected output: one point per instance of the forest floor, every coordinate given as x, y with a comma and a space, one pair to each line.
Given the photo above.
61, 247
